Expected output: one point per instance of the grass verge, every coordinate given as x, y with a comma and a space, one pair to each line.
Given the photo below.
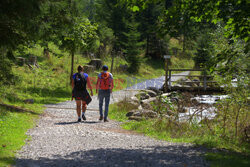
227, 160
13, 126
163, 129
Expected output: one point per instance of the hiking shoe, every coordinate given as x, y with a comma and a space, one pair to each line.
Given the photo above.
106, 120
101, 118
79, 119
83, 117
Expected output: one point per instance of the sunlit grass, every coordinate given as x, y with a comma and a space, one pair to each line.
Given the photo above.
161, 129
13, 126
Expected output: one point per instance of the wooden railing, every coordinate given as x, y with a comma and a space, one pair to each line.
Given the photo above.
203, 79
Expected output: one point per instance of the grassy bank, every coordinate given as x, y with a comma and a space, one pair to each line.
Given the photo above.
164, 129
222, 159
13, 126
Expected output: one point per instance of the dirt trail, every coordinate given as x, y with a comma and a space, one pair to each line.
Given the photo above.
58, 140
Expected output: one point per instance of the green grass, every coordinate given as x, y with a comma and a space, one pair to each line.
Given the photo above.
163, 130
223, 159
117, 113
13, 126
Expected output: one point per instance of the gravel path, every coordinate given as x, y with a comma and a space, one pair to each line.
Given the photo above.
58, 140
134, 83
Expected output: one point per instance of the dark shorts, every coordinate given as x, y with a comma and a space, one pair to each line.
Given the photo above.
79, 98
81, 95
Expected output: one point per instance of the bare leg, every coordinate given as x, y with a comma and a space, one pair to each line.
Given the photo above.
78, 108
84, 107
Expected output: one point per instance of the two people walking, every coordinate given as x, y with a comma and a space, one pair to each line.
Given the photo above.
104, 87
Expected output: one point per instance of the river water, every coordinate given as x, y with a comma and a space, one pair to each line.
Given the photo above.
196, 114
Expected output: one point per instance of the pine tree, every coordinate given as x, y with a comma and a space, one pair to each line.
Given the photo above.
132, 47
113, 14
148, 26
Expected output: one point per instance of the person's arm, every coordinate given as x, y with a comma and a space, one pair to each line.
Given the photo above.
97, 84
72, 83
111, 83
89, 86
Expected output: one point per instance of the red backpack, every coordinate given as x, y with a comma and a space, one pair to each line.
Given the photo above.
105, 82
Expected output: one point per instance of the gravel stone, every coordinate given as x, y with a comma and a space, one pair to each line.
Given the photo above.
59, 140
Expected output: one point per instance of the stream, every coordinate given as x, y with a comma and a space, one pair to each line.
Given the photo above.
198, 114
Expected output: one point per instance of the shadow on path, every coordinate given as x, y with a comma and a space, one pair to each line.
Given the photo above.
91, 122
75, 122
171, 156
66, 123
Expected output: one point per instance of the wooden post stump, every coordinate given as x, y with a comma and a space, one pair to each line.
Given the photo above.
88, 68
32, 60
20, 61
97, 63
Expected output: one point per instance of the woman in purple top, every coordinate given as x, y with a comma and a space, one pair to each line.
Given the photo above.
80, 93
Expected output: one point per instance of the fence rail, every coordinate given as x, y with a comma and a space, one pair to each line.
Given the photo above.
203, 79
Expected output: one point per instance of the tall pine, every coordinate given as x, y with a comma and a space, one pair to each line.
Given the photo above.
132, 46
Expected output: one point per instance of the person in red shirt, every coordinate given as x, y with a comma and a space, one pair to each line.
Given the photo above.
104, 87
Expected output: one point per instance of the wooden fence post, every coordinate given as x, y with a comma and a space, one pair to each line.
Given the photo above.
205, 81
169, 84
167, 62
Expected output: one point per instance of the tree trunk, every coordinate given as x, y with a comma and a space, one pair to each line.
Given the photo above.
112, 63
46, 51
236, 121
147, 46
184, 43
72, 66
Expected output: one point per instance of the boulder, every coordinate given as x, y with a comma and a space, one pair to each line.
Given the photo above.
129, 114
123, 67
165, 94
146, 104
133, 102
177, 85
149, 114
137, 113
97, 63
142, 113
135, 99
29, 101
156, 90
142, 95
135, 118
174, 99
145, 97
151, 93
